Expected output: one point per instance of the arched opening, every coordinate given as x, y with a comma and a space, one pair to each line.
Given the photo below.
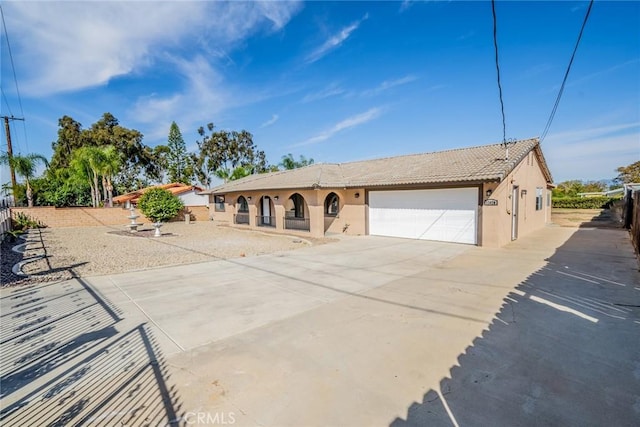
296, 216
266, 218
331, 204
242, 211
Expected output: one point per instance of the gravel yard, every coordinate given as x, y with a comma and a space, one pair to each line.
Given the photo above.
89, 251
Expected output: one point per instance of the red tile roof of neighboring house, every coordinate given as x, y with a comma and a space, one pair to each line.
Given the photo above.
176, 188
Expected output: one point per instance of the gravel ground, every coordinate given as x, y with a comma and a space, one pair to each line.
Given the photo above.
88, 251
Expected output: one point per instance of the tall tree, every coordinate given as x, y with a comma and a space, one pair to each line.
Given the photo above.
629, 174
87, 164
109, 167
178, 162
224, 150
70, 137
25, 166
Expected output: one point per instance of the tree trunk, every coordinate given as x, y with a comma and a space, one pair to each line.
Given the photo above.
97, 191
29, 195
105, 196
110, 191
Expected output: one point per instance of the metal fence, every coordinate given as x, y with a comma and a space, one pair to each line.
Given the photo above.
241, 218
266, 221
297, 224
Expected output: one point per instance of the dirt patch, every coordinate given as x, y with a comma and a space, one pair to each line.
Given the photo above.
88, 251
598, 218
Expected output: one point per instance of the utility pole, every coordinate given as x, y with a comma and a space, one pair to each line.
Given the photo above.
10, 152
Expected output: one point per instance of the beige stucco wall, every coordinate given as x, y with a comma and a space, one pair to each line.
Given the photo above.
496, 221
350, 218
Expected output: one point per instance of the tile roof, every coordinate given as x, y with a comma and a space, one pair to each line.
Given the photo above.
175, 188
474, 164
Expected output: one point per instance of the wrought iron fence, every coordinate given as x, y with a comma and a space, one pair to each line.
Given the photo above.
265, 221
297, 223
241, 218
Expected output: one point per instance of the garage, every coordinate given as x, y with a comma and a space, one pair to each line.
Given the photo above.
448, 215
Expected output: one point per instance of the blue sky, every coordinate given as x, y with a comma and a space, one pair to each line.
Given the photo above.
335, 81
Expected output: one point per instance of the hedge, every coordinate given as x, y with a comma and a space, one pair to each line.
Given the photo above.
582, 202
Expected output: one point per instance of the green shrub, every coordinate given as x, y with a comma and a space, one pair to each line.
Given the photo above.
582, 202
159, 205
22, 221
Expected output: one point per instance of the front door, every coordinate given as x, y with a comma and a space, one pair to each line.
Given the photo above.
515, 196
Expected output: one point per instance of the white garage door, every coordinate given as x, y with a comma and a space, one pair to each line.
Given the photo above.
448, 215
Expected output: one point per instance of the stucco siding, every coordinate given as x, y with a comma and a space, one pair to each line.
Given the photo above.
497, 220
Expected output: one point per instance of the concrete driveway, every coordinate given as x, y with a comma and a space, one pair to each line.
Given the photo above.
366, 331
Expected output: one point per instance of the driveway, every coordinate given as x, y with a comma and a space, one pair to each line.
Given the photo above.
366, 331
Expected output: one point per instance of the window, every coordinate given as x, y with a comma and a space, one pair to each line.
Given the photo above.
331, 204
219, 203
539, 202
243, 206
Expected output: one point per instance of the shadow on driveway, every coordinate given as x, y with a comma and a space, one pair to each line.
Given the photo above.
563, 350
68, 358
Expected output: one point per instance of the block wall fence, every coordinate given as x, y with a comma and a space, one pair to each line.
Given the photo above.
92, 217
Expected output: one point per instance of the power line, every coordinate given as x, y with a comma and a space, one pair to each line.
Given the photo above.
495, 44
566, 74
6, 101
15, 78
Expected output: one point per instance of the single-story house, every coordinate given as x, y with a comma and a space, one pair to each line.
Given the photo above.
189, 194
484, 196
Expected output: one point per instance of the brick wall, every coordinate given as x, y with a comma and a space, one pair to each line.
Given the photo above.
91, 217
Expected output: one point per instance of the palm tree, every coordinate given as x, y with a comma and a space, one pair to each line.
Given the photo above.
25, 166
87, 163
110, 166
288, 162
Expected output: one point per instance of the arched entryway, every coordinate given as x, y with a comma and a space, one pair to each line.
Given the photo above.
331, 209
267, 212
242, 211
296, 216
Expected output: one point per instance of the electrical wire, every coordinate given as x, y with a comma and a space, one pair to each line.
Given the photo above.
566, 74
6, 101
15, 78
495, 44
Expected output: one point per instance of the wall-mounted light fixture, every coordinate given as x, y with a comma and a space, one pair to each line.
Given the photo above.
276, 197
489, 192
249, 198
357, 195
523, 193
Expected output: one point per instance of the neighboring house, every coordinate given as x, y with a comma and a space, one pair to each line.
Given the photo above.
469, 195
189, 194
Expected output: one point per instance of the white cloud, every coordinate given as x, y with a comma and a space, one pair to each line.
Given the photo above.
334, 41
202, 96
347, 123
331, 90
592, 154
388, 84
67, 46
271, 121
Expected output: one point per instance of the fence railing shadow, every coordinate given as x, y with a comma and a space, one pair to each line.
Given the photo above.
69, 359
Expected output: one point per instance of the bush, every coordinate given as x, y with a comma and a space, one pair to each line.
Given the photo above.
159, 205
22, 221
582, 202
